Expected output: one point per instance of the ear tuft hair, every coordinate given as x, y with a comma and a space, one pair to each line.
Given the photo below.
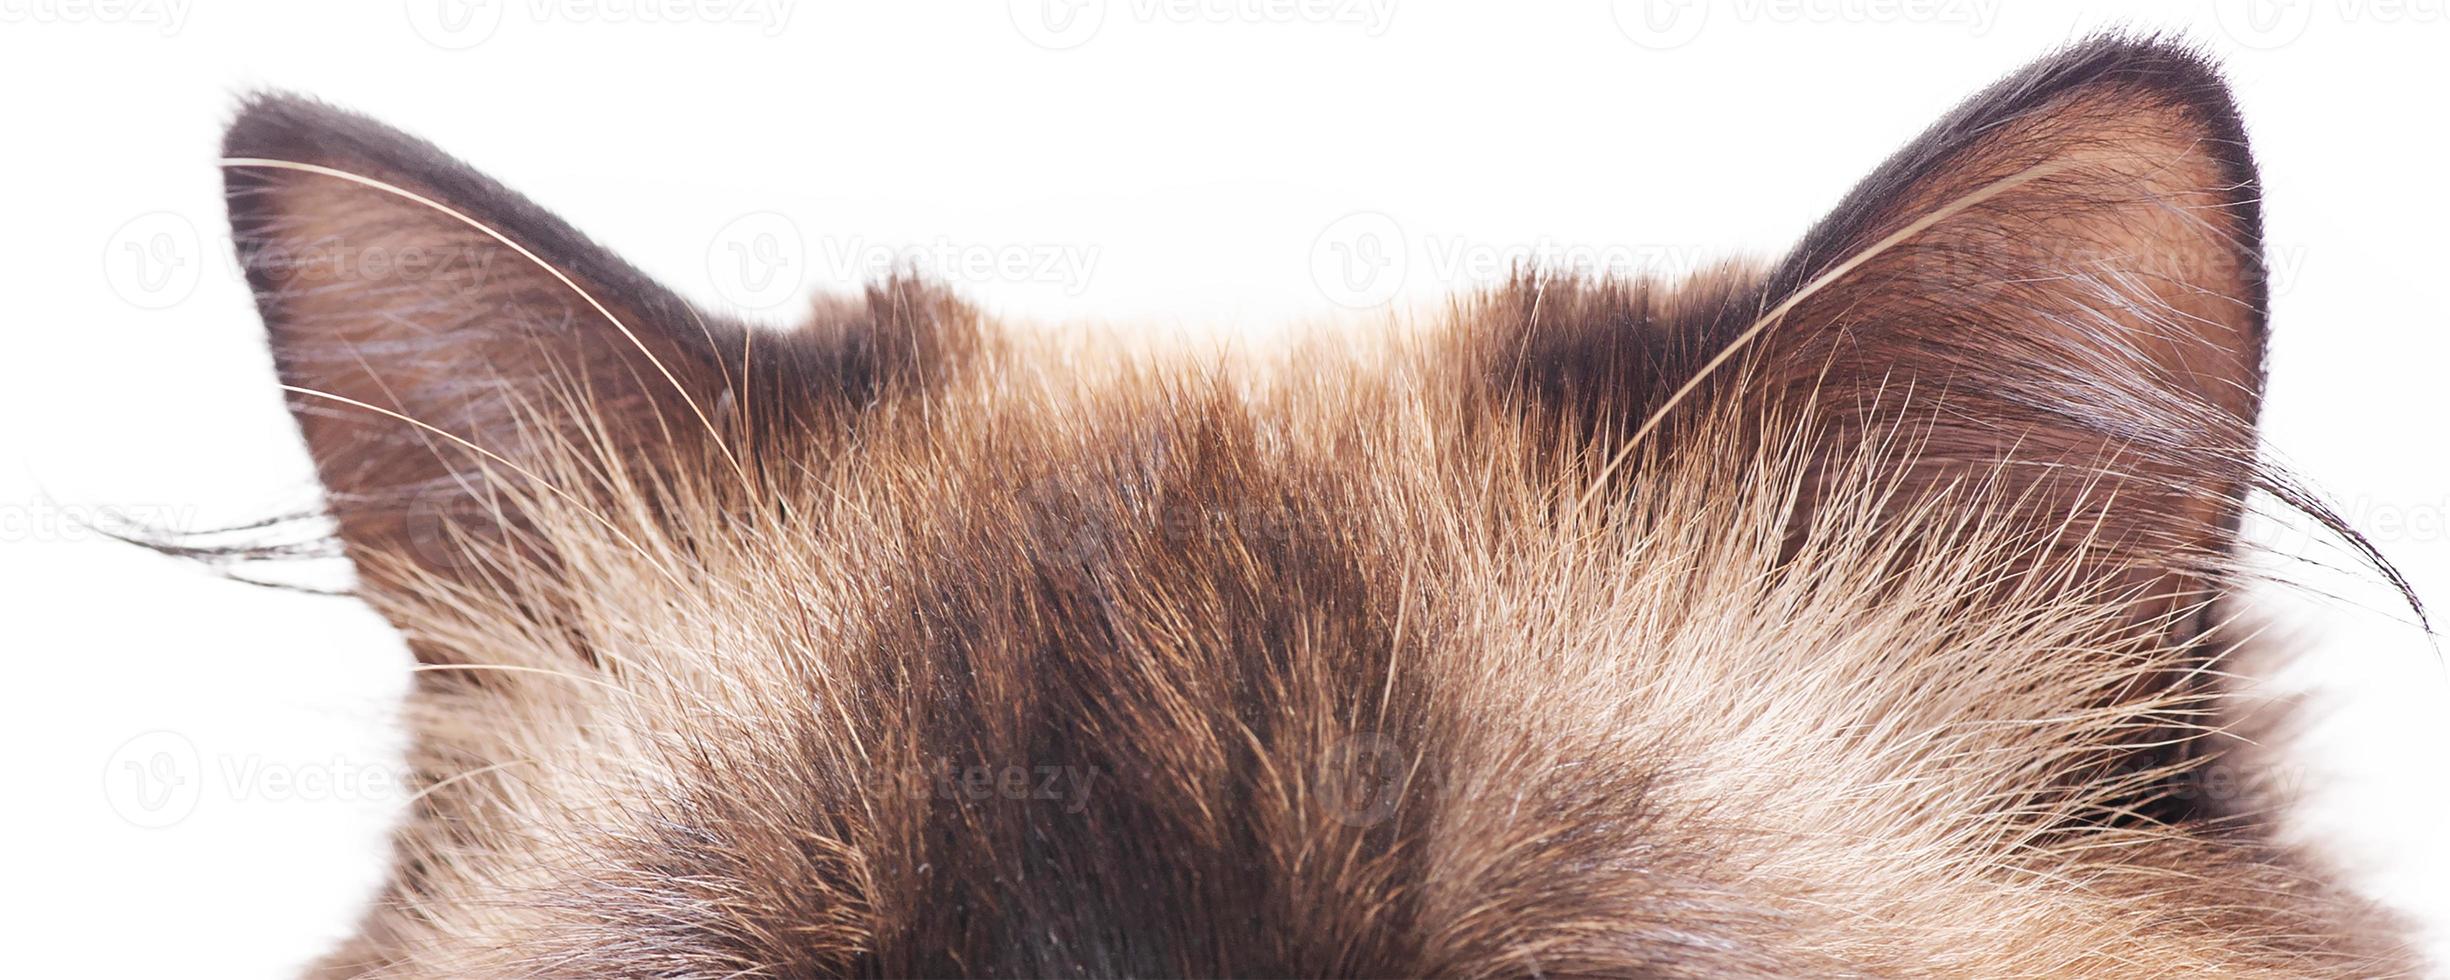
298, 129
442, 337
2142, 71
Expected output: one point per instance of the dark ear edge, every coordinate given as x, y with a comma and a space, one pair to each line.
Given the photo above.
2071, 260
2167, 70
2172, 70
300, 129
1611, 352
430, 323
1605, 356
903, 331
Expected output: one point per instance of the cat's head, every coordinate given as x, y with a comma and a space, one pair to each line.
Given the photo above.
1849, 614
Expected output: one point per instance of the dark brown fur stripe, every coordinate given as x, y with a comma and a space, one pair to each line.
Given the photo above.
900, 644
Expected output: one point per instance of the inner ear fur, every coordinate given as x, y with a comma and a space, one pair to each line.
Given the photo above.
442, 335
2056, 291
2082, 319
2093, 301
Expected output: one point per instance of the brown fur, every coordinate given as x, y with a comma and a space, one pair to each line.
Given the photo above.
1541, 640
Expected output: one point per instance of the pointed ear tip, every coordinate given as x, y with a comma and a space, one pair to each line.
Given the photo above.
2180, 75
275, 124
2176, 71
2167, 59
271, 124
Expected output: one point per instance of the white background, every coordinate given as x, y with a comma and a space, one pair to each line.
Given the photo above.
198, 771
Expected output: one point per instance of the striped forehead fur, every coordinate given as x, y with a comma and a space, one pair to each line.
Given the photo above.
1864, 612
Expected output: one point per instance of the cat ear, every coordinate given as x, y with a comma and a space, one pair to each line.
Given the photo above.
445, 340
436, 331
2058, 288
